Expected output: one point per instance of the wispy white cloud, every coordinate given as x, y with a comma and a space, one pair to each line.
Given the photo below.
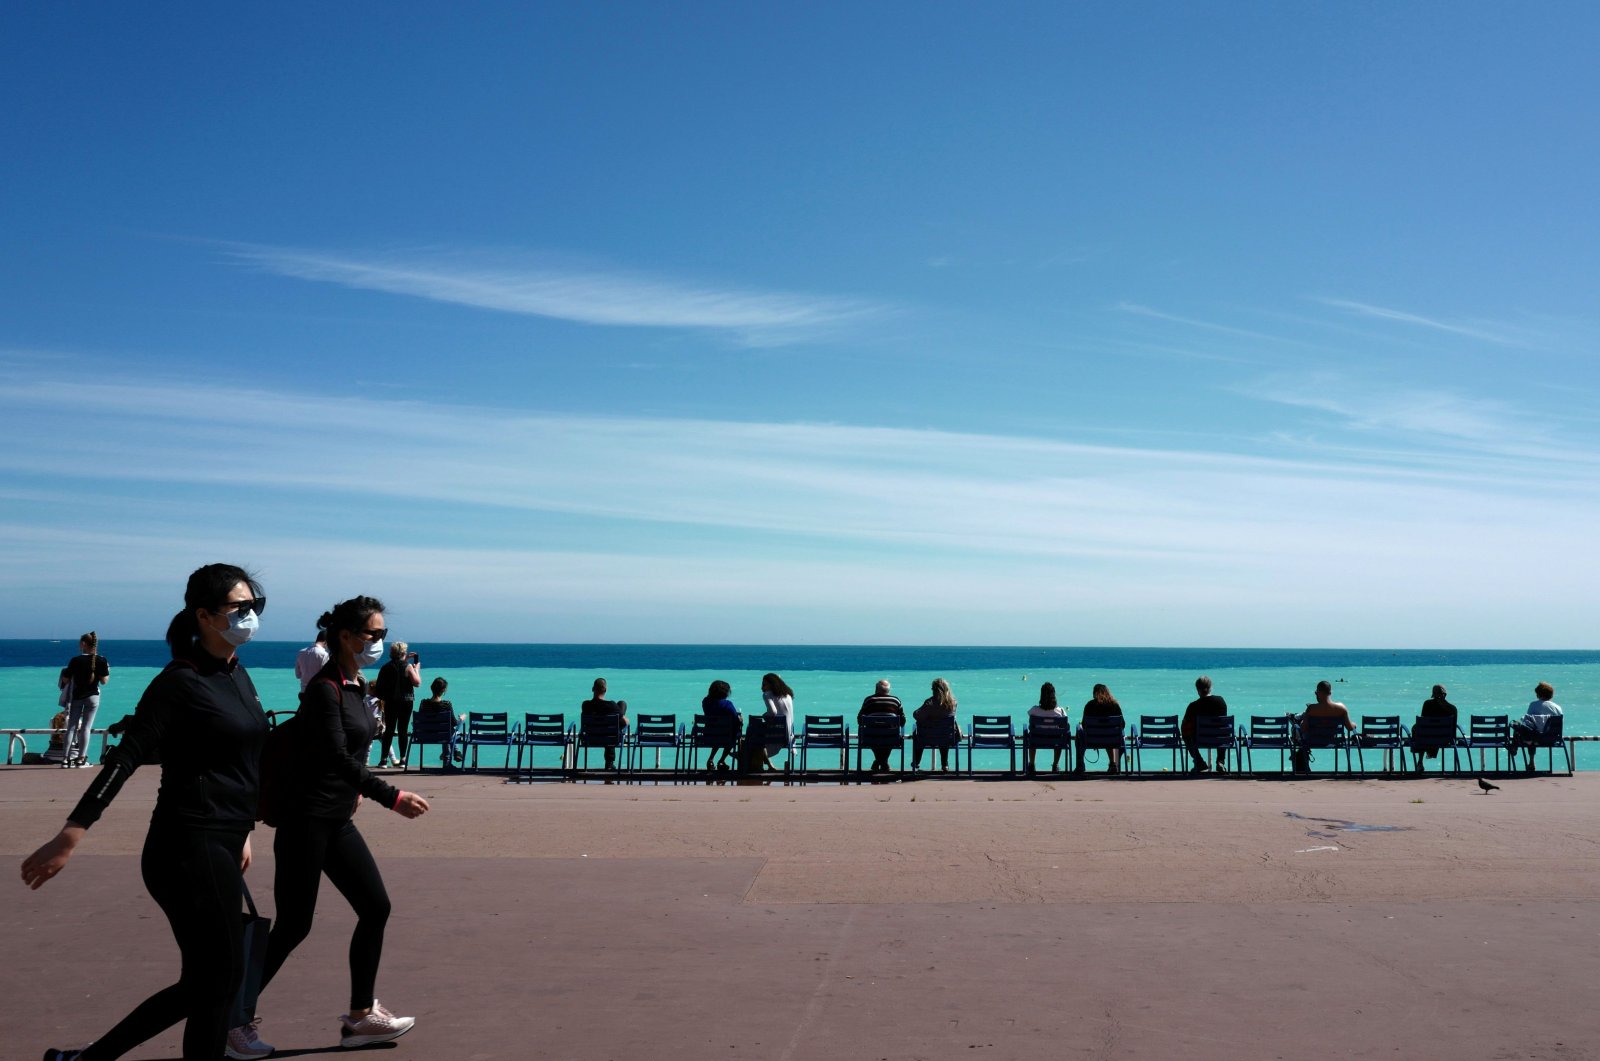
1497, 436
588, 296
1138, 310
1473, 330
1007, 538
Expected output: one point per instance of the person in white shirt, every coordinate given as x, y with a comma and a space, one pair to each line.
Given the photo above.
311, 659
779, 701
1045, 708
1530, 730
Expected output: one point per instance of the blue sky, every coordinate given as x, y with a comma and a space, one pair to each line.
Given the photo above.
1070, 324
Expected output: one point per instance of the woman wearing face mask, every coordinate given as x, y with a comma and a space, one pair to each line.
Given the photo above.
201, 717
315, 834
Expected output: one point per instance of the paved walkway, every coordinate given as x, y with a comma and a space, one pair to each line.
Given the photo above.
1186, 919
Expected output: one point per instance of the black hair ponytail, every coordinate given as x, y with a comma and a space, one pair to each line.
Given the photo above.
349, 615
208, 587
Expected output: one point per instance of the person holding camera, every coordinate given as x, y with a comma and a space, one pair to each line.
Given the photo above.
396, 687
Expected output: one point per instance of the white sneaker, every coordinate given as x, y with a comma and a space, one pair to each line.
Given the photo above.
379, 1026
244, 1045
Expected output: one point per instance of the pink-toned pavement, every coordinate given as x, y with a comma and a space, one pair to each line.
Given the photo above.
1174, 919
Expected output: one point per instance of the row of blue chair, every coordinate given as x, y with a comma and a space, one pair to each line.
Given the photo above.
832, 733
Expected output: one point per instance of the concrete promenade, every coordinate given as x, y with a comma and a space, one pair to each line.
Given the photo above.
1199, 919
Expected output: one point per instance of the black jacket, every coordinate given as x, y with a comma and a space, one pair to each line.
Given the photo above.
202, 719
334, 733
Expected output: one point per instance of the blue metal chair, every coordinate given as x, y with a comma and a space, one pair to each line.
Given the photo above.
1271, 733
599, 731
885, 733
1052, 733
655, 732
826, 732
432, 727
488, 729
1385, 734
543, 731
1434, 734
1102, 733
992, 732
1325, 734
942, 735
1217, 733
714, 733
765, 732
1487, 733
1550, 740
1156, 733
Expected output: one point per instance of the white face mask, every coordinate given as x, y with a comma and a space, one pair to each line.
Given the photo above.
371, 652
242, 626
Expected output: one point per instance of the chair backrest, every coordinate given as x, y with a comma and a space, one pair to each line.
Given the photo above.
880, 731
1552, 731
1268, 730
938, 732
1159, 731
1380, 727
823, 731
715, 731
1048, 731
599, 729
1322, 732
655, 731
992, 731
1101, 731
1431, 731
488, 725
1214, 731
544, 729
433, 727
1489, 729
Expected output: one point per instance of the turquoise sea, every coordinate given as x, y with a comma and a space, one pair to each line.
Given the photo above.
669, 679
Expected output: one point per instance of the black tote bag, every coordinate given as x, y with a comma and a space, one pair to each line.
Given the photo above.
256, 929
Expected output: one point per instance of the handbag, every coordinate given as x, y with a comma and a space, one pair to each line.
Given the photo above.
256, 929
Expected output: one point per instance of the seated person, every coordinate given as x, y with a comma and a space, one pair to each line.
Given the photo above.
1045, 708
941, 705
56, 750
778, 719
716, 705
1529, 730
1208, 706
600, 707
429, 711
1102, 705
1325, 707
1436, 706
881, 702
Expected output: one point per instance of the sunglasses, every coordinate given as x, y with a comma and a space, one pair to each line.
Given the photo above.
371, 635
256, 604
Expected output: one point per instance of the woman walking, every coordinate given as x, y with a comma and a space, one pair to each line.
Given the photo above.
202, 719
82, 678
315, 836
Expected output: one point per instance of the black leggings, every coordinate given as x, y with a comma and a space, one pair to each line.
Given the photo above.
193, 875
305, 849
396, 726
